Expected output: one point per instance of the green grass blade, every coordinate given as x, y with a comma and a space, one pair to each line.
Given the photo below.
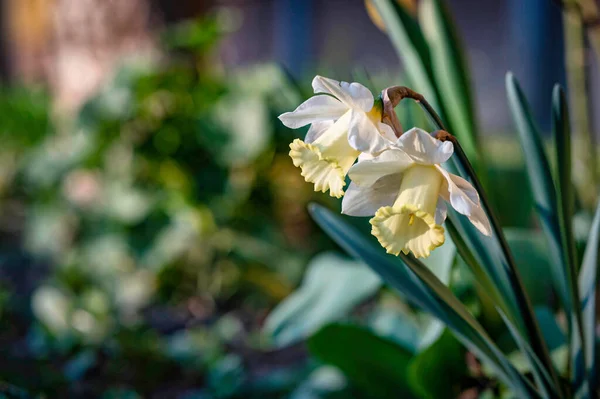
588, 285
565, 201
542, 185
450, 72
421, 287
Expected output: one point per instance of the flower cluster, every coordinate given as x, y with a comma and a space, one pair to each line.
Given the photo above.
398, 179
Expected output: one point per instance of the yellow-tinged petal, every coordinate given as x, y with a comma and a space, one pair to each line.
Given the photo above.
326, 161
409, 225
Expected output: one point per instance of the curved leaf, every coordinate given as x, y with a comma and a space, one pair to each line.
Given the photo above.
450, 72
411, 46
375, 365
588, 286
437, 372
422, 288
331, 288
542, 186
565, 201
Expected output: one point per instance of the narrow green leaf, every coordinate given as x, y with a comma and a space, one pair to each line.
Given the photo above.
505, 266
411, 46
422, 288
565, 201
588, 285
540, 374
490, 291
375, 365
450, 72
542, 186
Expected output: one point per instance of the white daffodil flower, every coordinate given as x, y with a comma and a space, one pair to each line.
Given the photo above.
406, 191
345, 121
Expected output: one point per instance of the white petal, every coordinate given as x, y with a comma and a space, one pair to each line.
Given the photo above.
352, 94
316, 130
365, 156
390, 162
425, 149
441, 211
464, 198
315, 109
364, 201
387, 132
364, 136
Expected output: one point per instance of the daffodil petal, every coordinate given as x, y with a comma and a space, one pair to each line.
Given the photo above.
424, 148
353, 95
315, 109
365, 201
368, 171
387, 132
441, 211
364, 135
316, 130
365, 156
464, 198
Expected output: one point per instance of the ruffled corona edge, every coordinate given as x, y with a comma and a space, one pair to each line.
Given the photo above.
396, 233
325, 174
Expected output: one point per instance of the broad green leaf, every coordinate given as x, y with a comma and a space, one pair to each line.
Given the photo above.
331, 288
326, 382
423, 289
375, 365
437, 372
417, 331
397, 325
542, 185
565, 200
588, 285
450, 73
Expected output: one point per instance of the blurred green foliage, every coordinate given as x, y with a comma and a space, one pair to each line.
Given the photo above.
142, 241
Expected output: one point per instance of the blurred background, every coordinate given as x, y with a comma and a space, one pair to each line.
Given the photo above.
150, 217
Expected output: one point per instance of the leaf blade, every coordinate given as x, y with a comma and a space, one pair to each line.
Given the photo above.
565, 201
423, 289
450, 72
376, 365
588, 283
542, 185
